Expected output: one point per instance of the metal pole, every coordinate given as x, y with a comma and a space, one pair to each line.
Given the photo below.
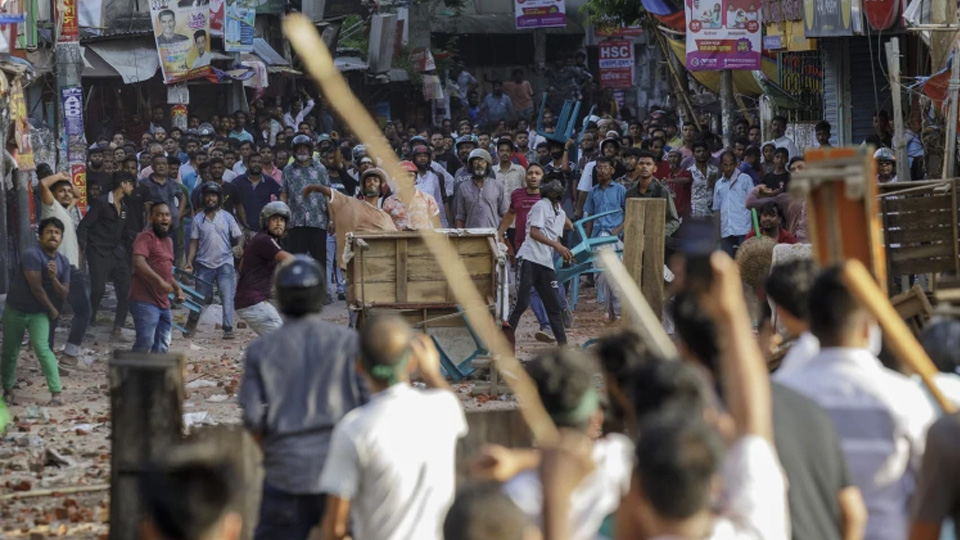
5, 255
900, 142
728, 106
951, 146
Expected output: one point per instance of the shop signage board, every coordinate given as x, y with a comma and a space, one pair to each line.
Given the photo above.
616, 63
540, 13
881, 13
830, 18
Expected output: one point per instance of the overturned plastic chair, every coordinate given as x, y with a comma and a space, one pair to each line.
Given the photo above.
583, 256
194, 301
566, 121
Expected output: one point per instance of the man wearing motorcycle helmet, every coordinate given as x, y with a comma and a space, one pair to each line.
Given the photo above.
260, 259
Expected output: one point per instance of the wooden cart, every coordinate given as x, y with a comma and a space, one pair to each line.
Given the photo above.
395, 273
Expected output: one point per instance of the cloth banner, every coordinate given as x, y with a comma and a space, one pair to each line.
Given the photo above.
722, 34
238, 30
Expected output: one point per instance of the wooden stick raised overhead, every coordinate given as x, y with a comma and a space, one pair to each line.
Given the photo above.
895, 332
648, 324
318, 61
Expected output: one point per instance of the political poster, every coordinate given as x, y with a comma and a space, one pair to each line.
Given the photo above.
238, 25
69, 21
723, 34
616, 63
540, 13
21, 122
830, 18
72, 102
182, 30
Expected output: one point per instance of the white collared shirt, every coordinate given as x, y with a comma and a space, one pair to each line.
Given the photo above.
806, 347
786, 142
882, 418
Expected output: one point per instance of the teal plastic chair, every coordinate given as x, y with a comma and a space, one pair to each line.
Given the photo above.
194, 301
583, 256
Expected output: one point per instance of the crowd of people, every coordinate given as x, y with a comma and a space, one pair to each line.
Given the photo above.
703, 446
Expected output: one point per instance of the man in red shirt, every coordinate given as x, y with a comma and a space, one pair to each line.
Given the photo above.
770, 220
260, 258
521, 201
152, 282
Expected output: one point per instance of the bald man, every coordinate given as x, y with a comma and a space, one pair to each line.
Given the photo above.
407, 438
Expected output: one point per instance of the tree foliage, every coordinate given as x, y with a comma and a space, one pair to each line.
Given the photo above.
617, 12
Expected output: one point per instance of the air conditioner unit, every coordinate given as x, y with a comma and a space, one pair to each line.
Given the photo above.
383, 37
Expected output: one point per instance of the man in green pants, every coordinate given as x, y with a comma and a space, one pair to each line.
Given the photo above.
38, 290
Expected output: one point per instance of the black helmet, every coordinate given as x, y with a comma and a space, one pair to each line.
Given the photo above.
211, 187
300, 286
301, 140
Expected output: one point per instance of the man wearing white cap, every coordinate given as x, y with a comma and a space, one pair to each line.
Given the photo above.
886, 165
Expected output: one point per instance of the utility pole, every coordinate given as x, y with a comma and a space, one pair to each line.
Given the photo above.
900, 143
951, 147
728, 106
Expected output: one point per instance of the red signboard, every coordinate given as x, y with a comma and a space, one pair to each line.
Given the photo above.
78, 175
613, 30
881, 14
69, 23
616, 64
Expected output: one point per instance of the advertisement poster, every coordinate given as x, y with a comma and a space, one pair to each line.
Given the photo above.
829, 18
21, 122
69, 22
183, 39
616, 63
72, 102
723, 34
238, 21
540, 13
216, 16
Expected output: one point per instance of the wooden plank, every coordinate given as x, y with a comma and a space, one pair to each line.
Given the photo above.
919, 219
930, 234
418, 291
633, 245
927, 251
401, 270
653, 253
379, 270
922, 266
146, 412
478, 266
916, 203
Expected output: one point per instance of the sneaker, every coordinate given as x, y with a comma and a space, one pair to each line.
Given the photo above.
117, 333
341, 296
55, 401
64, 371
68, 360
228, 335
567, 316
543, 337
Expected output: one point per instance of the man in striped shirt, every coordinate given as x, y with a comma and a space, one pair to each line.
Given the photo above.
881, 416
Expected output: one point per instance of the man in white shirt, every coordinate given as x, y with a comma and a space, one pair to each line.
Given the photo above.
881, 416
298, 111
788, 288
391, 461
512, 175
778, 126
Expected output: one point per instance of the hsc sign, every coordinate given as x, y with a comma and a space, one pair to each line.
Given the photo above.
616, 64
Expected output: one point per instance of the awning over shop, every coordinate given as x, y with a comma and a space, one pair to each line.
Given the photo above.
133, 60
346, 64
274, 61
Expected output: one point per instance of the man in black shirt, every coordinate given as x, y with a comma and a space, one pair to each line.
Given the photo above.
103, 236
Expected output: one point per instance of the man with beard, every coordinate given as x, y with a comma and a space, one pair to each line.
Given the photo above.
771, 224
58, 200
260, 258
254, 192
96, 175
481, 202
464, 146
212, 237
647, 187
428, 181
188, 171
228, 190
153, 281
102, 238
704, 178
729, 199
778, 127
38, 290
308, 216
545, 224
588, 150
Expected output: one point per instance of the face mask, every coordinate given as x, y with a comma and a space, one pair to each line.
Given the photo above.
303, 158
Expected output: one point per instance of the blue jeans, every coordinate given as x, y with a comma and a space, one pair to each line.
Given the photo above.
540, 311
335, 279
286, 515
226, 279
153, 324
